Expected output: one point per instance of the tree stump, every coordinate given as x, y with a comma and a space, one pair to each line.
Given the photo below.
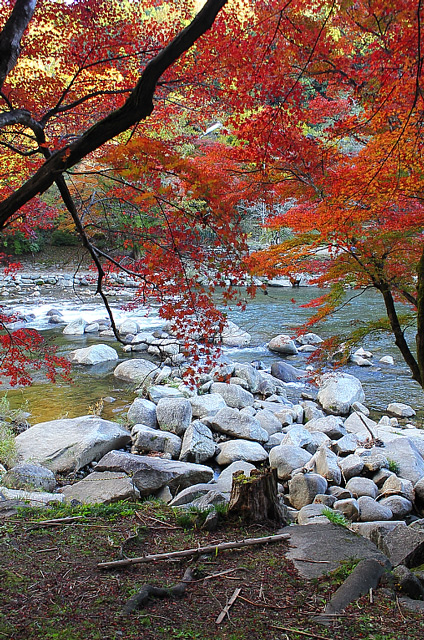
255, 498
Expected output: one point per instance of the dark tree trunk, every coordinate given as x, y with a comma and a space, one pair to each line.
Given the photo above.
255, 499
420, 317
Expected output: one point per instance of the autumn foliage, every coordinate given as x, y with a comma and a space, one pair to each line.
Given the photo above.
322, 109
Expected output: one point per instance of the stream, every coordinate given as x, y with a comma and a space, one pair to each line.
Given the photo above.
280, 311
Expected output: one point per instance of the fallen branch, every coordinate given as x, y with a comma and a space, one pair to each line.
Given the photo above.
190, 552
147, 592
228, 606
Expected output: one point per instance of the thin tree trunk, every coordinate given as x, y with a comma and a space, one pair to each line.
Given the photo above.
420, 316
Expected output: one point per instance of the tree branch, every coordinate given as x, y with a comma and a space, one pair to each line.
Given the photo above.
138, 106
11, 35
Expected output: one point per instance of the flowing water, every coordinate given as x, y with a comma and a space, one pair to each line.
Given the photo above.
280, 311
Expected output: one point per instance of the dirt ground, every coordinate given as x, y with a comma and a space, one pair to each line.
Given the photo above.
51, 586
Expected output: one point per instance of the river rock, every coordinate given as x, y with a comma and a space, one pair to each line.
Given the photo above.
75, 328
225, 478
355, 423
249, 374
186, 496
270, 385
94, 354
312, 514
143, 411
127, 327
338, 392
309, 338
29, 498
101, 488
69, 444
151, 473
297, 436
287, 458
137, 371
311, 411
349, 508
362, 487
387, 360
147, 439
159, 391
325, 462
247, 450
408, 458
174, 414
332, 426
350, 466
283, 344
304, 487
207, 405
374, 461
29, 476
346, 445
286, 372
400, 410
234, 396
268, 421
370, 510
233, 423
399, 506
198, 444
233, 336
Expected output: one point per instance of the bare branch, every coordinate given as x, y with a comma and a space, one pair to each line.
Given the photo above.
11, 35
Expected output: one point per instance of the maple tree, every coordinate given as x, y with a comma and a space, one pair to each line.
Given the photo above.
321, 103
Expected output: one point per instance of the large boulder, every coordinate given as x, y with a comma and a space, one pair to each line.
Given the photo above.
338, 392
371, 511
207, 405
247, 450
233, 423
268, 421
233, 336
408, 458
29, 475
143, 411
362, 487
95, 354
101, 488
249, 374
75, 328
148, 439
150, 474
287, 372
137, 371
303, 488
234, 395
287, 458
282, 344
69, 444
174, 414
198, 444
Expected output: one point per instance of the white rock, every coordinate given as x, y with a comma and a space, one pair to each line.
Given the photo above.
400, 410
283, 344
247, 450
95, 354
338, 392
387, 360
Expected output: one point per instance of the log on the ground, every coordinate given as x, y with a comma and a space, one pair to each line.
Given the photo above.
255, 498
148, 591
213, 548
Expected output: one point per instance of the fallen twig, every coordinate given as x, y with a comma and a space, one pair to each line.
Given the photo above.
228, 606
147, 592
313, 561
189, 552
310, 634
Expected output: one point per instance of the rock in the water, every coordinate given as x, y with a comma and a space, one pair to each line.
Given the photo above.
400, 410
101, 488
151, 474
198, 444
309, 338
233, 423
136, 371
75, 328
143, 411
69, 444
95, 354
29, 476
174, 414
247, 450
338, 392
283, 344
148, 439
234, 396
287, 372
